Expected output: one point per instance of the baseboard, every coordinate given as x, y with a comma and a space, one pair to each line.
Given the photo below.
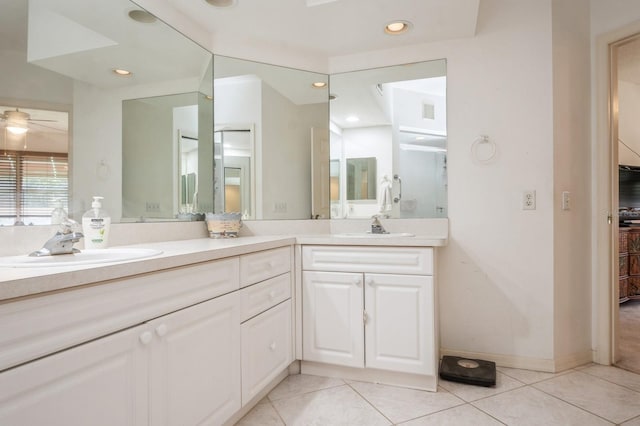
527, 363
413, 381
574, 360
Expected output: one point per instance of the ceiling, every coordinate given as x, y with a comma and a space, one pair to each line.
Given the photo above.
329, 28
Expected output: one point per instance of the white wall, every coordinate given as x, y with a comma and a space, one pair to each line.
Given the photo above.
496, 275
571, 135
628, 129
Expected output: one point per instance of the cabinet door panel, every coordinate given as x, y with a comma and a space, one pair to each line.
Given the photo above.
195, 364
400, 323
103, 382
333, 318
266, 348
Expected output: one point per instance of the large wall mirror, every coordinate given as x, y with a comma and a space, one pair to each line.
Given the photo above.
56, 60
388, 142
268, 119
189, 132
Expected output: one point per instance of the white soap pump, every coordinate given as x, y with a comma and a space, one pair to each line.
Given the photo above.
95, 225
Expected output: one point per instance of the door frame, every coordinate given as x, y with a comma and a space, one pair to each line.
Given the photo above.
604, 159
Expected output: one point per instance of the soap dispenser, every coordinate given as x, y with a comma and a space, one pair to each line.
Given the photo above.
58, 214
95, 225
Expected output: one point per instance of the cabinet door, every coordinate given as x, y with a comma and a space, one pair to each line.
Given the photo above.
400, 326
266, 348
103, 382
332, 318
195, 364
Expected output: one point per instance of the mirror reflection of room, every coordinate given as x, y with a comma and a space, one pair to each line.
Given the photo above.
34, 171
393, 120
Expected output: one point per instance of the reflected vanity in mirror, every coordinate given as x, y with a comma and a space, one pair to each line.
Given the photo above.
388, 134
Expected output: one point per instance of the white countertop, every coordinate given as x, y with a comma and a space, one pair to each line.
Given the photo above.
21, 282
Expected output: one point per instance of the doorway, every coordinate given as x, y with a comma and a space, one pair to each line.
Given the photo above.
625, 140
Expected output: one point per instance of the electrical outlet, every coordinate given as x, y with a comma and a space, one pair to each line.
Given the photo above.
566, 200
152, 207
280, 207
529, 200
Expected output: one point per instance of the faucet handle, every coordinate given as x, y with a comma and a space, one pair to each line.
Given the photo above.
68, 226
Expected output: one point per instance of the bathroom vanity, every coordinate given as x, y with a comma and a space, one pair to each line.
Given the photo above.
371, 309
200, 333
183, 343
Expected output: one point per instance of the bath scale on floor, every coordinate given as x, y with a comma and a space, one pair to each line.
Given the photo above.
470, 371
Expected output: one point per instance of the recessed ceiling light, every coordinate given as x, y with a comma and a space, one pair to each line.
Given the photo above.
352, 119
319, 85
397, 27
142, 16
121, 72
222, 3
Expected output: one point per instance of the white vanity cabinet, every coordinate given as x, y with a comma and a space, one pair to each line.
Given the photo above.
267, 333
101, 383
182, 368
194, 357
370, 307
176, 347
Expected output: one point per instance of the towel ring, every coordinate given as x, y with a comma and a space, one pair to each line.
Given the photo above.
484, 159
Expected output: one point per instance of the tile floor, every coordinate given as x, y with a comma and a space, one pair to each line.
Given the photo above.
588, 395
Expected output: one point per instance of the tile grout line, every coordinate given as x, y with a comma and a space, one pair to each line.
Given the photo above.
614, 383
574, 405
277, 412
370, 403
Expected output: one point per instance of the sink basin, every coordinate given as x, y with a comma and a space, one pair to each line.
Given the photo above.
370, 235
85, 257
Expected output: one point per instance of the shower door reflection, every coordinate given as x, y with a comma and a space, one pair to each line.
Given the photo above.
234, 182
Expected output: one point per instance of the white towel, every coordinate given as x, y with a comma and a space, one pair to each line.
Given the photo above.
384, 199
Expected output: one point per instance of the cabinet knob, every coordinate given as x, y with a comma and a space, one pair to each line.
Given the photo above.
356, 281
146, 337
272, 346
271, 264
161, 330
272, 294
370, 281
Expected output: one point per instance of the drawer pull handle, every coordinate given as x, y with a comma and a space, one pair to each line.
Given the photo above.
370, 281
271, 264
146, 337
272, 295
161, 330
272, 346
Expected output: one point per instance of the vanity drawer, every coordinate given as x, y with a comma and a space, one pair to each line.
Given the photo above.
388, 260
262, 296
256, 267
38, 326
266, 348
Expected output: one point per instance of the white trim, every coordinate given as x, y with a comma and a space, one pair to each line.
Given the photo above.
371, 375
603, 333
510, 361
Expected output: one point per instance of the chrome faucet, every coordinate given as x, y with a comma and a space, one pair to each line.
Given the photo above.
62, 242
376, 225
